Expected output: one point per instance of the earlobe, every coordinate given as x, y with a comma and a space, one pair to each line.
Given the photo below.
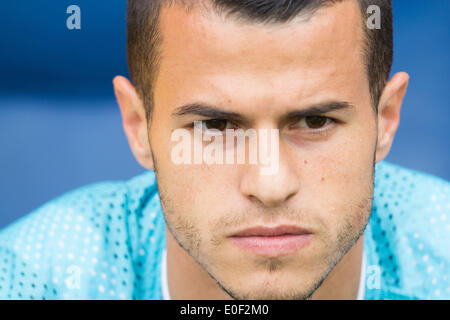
389, 113
134, 120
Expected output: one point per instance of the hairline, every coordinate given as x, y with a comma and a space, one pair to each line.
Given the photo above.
237, 17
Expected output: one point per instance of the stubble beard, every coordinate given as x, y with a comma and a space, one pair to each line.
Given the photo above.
192, 245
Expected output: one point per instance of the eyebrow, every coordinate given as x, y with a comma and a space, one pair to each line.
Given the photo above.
211, 112
320, 109
207, 111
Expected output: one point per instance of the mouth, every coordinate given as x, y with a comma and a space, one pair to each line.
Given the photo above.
272, 241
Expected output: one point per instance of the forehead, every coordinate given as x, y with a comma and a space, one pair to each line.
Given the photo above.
204, 54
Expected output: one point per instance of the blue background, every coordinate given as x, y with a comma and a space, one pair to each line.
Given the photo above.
60, 127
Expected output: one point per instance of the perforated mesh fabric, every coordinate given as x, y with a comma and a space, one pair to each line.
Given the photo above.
102, 241
105, 241
408, 236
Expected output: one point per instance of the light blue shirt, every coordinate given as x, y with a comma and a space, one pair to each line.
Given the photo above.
106, 241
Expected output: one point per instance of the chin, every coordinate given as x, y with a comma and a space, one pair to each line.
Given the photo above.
271, 286
273, 293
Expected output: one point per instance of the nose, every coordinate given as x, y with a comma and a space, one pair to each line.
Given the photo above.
270, 190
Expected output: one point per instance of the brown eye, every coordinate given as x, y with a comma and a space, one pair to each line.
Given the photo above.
316, 122
216, 124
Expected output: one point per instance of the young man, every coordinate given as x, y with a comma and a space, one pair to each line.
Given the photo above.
333, 221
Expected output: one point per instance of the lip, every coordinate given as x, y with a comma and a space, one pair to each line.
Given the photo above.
272, 241
271, 231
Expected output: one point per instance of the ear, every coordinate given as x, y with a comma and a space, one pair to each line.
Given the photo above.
134, 121
389, 113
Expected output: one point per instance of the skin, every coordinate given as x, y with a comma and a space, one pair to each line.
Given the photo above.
325, 177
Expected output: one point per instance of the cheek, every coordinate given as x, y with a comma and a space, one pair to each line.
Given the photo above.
337, 181
194, 192
197, 193
348, 159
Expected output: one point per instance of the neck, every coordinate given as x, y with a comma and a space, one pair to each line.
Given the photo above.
188, 280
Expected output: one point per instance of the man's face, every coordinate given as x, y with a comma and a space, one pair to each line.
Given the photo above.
325, 177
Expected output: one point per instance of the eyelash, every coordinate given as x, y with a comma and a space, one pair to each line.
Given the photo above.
321, 130
325, 127
191, 125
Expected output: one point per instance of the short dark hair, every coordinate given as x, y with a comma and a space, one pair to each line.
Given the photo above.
144, 37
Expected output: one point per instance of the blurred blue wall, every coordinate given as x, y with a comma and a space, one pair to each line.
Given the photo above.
60, 127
